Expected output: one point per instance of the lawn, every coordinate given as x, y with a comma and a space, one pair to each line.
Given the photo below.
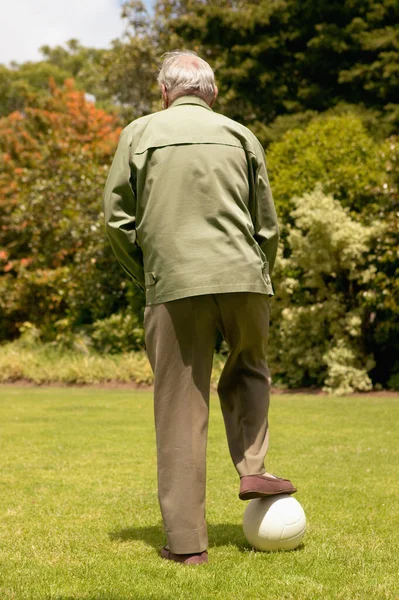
79, 511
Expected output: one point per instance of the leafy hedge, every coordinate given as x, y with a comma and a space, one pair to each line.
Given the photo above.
335, 316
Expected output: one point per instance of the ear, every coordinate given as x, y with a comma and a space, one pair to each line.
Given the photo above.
164, 96
215, 95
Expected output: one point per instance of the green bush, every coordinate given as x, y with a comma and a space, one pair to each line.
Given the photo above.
336, 151
55, 262
317, 314
45, 364
30, 360
121, 332
356, 266
393, 382
345, 374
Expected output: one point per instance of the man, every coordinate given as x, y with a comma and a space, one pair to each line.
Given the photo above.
190, 217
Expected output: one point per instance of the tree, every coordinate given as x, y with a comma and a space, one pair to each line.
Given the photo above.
54, 261
283, 57
26, 84
122, 79
338, 152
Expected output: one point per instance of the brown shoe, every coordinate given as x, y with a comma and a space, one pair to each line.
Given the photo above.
199, 558
260, 486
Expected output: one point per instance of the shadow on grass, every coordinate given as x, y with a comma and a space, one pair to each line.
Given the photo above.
223, 534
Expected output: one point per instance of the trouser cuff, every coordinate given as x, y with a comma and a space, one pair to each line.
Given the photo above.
188, 542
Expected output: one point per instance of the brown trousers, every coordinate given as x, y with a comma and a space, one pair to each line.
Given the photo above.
180, 339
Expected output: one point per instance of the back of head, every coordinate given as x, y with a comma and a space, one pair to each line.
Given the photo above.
184, 73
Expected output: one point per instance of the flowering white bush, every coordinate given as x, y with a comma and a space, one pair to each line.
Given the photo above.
343, 374
317, 316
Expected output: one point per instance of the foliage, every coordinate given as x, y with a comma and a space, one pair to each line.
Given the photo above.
317, 313
43, 364
121, 332
277, 63
29, 359
317, 82
27, 84
338, 152
393, 381
362, 173
54, 261
382, 298
122, 78
287, 57
345, 373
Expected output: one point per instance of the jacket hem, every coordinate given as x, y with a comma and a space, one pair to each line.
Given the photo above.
256, 288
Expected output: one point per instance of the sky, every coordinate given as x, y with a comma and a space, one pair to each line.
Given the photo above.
25, 25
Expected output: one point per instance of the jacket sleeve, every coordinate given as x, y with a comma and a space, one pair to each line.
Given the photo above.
119, 206
263, 211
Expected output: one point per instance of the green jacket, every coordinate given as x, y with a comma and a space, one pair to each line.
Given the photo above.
188, 207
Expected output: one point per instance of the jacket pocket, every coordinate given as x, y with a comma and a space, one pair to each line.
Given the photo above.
266, 278
150, 280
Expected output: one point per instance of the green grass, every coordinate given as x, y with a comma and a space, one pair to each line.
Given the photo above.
79, 511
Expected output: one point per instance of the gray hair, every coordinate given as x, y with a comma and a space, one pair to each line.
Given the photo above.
183, 73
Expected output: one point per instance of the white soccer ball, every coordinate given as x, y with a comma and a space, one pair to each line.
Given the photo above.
274, 523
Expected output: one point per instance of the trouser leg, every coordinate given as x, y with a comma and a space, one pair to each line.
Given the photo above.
180, 338
244, 386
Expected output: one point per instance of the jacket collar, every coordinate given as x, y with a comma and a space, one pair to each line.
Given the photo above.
190, 100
